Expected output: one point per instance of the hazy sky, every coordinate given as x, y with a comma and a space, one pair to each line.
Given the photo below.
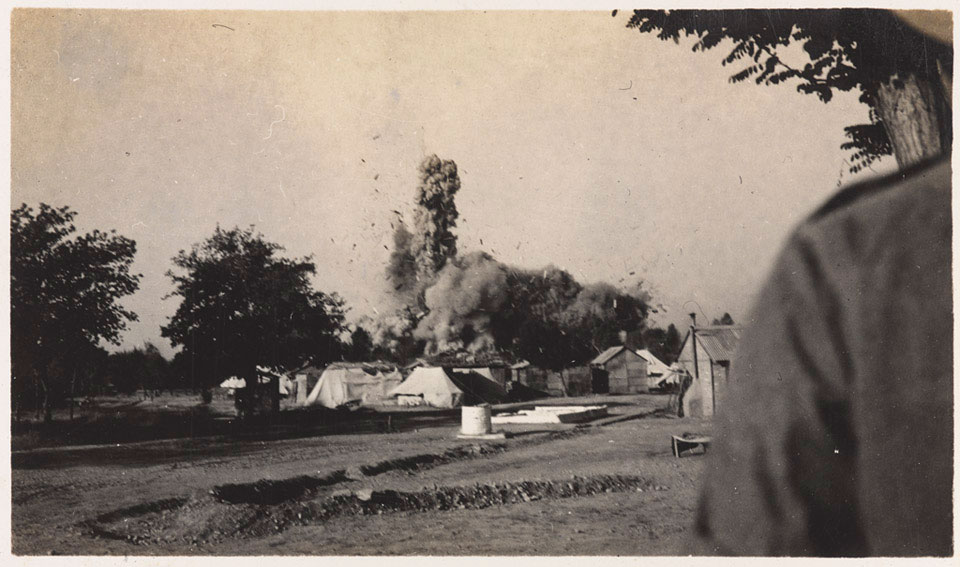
580, 143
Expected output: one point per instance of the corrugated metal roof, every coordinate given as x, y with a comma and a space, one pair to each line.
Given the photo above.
606, 355
720, 342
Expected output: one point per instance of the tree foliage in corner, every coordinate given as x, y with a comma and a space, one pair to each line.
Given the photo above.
64, 299
900, 73
243, 306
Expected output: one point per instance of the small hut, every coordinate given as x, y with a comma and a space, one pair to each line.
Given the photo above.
619, 370
706, 354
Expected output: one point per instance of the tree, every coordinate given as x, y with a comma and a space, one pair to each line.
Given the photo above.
725, 320
535, 328
663, 344
139, 369
361, 345
672, 344
244, 306
655, 341
64, 300
901, 74
555, 322
601, 312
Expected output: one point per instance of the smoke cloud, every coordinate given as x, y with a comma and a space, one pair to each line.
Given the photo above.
468, 292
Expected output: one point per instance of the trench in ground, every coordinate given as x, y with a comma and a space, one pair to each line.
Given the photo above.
206, 521
241, 509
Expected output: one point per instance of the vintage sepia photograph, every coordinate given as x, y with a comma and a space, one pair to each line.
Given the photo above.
481, 283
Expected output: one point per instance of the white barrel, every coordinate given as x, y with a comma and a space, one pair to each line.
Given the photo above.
476, 420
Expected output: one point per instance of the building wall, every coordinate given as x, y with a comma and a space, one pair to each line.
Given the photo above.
578, 379
533, 377
627, 373
721, 379
698, 400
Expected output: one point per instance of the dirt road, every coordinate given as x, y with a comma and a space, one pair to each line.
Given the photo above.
546, 490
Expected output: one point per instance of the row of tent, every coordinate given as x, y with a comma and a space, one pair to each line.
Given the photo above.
433, 386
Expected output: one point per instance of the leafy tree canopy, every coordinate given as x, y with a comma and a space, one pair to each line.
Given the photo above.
243, 305
64, 295
872, 51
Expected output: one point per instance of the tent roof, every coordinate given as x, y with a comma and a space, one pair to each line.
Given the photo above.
350, 375
433, 379
479, 386
436, 380
654, 364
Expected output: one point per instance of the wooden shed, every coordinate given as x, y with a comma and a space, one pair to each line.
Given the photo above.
715, 347
619, 370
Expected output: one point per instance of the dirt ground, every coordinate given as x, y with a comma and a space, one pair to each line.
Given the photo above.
545, 490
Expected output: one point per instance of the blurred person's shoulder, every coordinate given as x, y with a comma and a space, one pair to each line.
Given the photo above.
887, 210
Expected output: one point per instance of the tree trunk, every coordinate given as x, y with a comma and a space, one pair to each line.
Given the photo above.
73, 392
917, 117
275, 396
47, 410
36, 396
563, 382
251, 397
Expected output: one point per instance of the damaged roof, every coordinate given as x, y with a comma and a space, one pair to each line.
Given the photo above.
464, 359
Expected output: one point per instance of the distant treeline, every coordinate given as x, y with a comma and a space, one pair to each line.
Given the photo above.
244, 304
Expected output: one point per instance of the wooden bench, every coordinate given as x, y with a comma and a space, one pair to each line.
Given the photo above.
681, 444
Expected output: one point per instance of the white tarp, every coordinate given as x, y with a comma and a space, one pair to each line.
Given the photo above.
338, 386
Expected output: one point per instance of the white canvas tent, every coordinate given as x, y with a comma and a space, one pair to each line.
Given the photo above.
233, 382
435, 387
339, 386
429, 386
236, 383
657, 371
